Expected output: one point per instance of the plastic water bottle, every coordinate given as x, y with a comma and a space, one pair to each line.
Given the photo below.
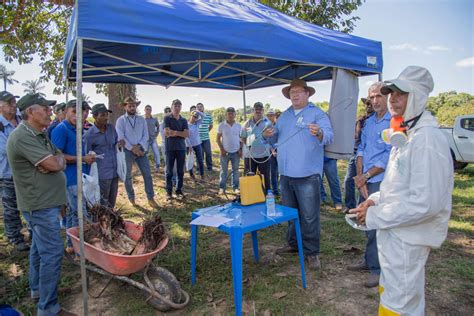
270, 201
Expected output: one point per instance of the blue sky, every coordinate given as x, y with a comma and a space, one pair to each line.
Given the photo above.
435, 34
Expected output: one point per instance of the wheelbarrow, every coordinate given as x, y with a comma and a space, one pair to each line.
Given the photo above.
161, 289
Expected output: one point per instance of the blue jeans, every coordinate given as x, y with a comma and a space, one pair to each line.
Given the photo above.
156, 152
206, 148
71, 217
274, 175
198, 153
172, 157
349, 185
46, 253
11, 215
330, 171
144, 166
303, 194
371, 256
234, 158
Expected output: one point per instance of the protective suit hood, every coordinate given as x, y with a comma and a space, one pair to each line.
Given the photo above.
418, 82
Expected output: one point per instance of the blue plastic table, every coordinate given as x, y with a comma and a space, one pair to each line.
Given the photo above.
246, 219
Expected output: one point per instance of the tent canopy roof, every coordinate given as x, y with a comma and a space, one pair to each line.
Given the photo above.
208, 44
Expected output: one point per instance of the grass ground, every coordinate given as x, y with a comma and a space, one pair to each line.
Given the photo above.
272, 287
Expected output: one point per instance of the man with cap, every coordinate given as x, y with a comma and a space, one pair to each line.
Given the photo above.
301, 133
153, 131
37, 166
271, 115
204, 128
58, 111
193, 142
102, 139
372, 159
11, 216
257, 150
64, 138
132, 134
228, 140
349, 185
176, 130
412, 209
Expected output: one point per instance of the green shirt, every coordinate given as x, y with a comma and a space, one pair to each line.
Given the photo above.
204, 126
26, 149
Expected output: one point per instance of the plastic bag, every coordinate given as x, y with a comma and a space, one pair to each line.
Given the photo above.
90, 186
121, 164
189, 161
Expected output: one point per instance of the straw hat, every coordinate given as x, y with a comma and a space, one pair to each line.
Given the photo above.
297, 83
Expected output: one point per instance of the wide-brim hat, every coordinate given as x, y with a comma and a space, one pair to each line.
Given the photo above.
297, 83
131, 100
99, 108
365, 100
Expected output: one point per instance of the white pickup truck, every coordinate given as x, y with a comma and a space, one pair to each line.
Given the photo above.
461, 140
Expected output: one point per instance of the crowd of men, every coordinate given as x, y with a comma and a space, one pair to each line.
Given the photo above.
403, 203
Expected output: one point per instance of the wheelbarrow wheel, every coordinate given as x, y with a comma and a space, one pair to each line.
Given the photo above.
166, 284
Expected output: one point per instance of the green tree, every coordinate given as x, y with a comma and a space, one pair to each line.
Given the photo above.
446, 106
33, 86
7, 76
331, 14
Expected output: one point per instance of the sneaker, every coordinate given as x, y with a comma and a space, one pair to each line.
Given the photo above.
362, 266
157, 169
22, 246
132, 201
338, 207
192, 176
286, 250
152, 203
313, 262
236, 191
169, 197
180, 194
372, 280
221, 191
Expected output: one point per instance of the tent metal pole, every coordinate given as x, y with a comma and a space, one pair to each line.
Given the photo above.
380, 77
80, 214
243, 94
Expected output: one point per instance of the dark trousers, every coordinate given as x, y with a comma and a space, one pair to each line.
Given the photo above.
371, 256
11, 215
199, 159
172, 156
206, 148
349, 185
108, 191
263, 166
274, 175
303, 194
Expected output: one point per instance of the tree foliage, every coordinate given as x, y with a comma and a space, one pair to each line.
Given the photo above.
33, 86
331, 14
7, 76
447, 106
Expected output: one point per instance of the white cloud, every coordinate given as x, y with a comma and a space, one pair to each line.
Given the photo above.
466, 62
438, 48
404, 46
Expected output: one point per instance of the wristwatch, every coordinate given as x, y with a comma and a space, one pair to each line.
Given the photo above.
367, 175
319, 133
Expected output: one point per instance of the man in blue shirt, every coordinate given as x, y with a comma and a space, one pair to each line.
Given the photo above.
372, 158
300, 134
58, 111
101, 138
64, 138
11, 215
132, 134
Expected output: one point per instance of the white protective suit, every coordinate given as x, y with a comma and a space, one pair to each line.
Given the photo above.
413, 205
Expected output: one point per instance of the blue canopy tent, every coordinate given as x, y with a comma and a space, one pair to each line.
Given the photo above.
237, 45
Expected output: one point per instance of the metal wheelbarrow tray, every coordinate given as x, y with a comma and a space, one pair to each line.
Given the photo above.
161, 288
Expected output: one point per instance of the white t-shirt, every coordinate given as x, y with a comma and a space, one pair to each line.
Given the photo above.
230, 136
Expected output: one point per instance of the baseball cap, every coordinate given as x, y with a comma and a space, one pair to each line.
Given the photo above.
99, 108
7, 96
60, 107
258, 105
31, 99
390, 87
72, 103
271, 111
176, 101
230, 109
